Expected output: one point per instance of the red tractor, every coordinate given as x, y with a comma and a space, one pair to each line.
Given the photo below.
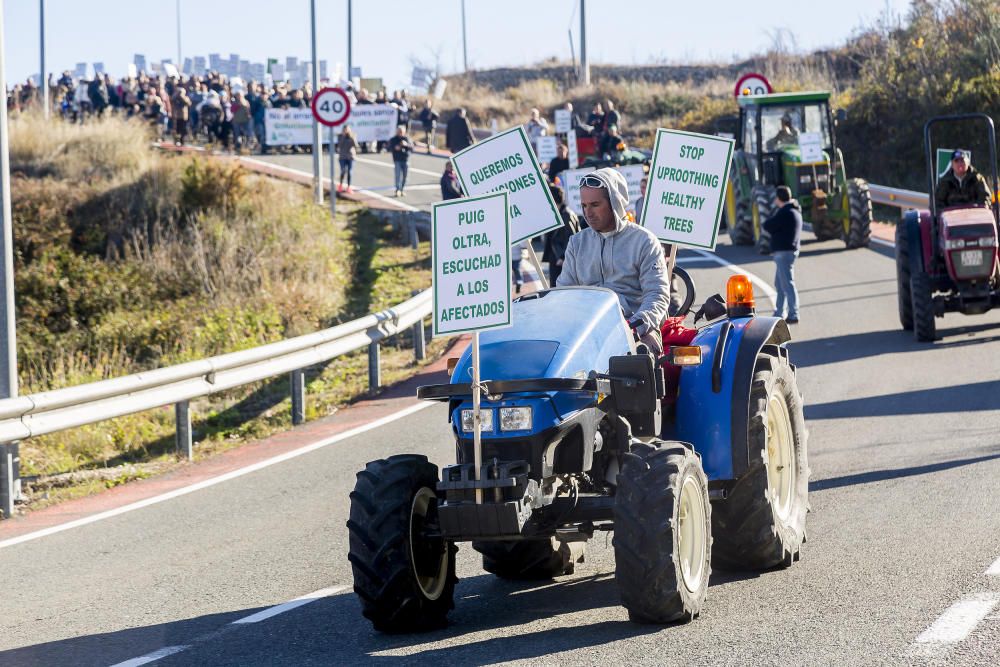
946, 260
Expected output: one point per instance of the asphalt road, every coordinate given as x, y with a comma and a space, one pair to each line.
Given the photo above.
374, 172
905, 454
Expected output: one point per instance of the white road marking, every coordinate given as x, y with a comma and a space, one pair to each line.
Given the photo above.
152, 657
994, 569
291, 604
204, 484
388, 165
735, 268
959, 620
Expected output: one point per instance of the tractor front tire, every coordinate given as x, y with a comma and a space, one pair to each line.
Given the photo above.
922, 298
741, 232
860, 200
763, 208
663, 543
762, 521
529, 559
904, 300
405, 579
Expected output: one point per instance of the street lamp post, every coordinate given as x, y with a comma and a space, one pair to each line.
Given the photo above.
317, 146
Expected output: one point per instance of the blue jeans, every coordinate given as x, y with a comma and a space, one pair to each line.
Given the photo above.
401, 168
784, 283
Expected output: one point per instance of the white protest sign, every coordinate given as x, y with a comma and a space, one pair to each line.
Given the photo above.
373, 122
687, 185
505, 161
571, 186
574, 151
288, 127
546, 148
564, 121
470, 249
811, 147
633, 174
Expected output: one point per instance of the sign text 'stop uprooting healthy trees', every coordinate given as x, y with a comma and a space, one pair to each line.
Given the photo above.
687, 187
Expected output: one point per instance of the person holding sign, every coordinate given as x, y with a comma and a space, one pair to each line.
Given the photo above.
619, 255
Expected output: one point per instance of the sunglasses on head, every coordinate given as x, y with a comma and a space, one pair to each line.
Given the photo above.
591, 182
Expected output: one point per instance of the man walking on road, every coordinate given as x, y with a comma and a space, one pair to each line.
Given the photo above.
429, 121
785, 228
400, 146
458, 134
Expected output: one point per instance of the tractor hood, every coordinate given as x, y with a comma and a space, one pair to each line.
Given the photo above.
563, 332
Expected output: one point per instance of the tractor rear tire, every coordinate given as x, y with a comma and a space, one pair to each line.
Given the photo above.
762, 521
922, 298
904, 299
741, 232
406, 581
763, 202
663, 543
529, 559
860, 199
827, 230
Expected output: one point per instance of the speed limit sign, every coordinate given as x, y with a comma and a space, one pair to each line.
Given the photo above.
752, 84
331, 106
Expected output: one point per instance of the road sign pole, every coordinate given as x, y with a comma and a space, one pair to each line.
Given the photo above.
8, 346
333, 176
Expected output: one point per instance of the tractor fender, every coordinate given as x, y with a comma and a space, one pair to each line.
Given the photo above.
712, 405
918, 237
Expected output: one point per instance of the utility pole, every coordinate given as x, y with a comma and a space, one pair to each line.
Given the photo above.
8, 348
584, 63
465, 49
43, 80
10, 484
180, 63
350, 43
317, 146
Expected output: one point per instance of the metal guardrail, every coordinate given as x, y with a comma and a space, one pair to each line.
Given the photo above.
51, 411
897, 197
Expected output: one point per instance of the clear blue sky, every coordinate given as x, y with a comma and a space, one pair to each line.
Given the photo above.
388, 32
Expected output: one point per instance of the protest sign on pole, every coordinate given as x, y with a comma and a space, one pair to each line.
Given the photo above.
506, 162
633, 174
571, 187
546, 148
574, 153
470, 252
811, 147
564, 121
687, 187
288, 127
470, 246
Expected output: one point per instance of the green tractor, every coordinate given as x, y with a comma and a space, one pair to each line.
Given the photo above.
788, 139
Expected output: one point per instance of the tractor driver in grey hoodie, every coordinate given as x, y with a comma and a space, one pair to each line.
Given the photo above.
619, 255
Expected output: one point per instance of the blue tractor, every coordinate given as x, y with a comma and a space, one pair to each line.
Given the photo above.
693, 459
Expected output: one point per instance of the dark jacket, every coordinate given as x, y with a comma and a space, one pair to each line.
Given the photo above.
428, 118
785, 227
450, 187
557, 166
557, 240
459, 134
970, 190
400, 147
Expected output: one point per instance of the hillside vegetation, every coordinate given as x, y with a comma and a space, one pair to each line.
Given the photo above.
128, 259
942, 57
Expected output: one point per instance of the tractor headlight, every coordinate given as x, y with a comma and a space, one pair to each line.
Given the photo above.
485, 417
515, 419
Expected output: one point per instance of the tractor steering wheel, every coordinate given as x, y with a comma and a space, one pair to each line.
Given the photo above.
689, 295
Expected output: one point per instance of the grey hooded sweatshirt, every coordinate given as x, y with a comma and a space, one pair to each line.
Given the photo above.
628, 260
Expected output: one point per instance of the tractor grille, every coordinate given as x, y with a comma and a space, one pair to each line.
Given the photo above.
805, 182
972, 263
